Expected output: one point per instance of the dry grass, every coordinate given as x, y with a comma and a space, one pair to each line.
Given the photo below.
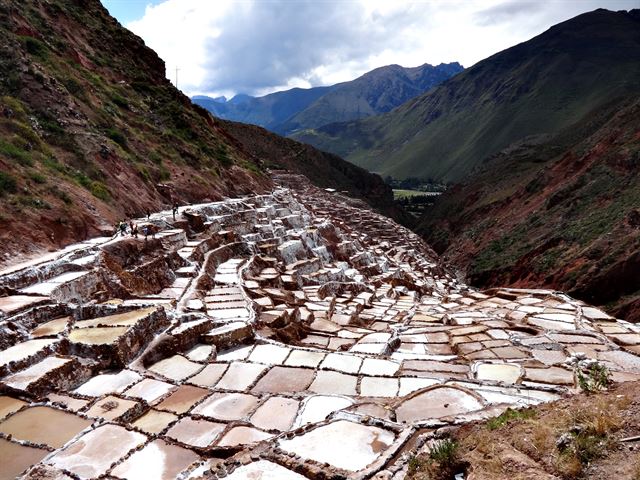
601, 418
491, 457
569, 466
518, 443
636, 471
541, 440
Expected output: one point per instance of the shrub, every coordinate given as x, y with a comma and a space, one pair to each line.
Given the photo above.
120, 101
37, 177
222, 155
596, 378
61, 194
100, 190
117, 137
35, 47
143, 172
73, 86
8, 184
29, 201
445, 452
52, 164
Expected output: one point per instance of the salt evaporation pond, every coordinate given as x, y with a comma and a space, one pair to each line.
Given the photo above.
343, 444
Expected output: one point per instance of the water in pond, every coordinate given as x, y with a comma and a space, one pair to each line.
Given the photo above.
318, 407
277, 413
437, 403
24, 350
9, 405
264, 470
183, 399
52, 327
92, 454
499, 372
227, 406
199, 433
121, 319
44, 425
14, 458
176, 367
242, 436
154, 421
96, 336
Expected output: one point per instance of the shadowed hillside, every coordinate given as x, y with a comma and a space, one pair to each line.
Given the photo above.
323, 169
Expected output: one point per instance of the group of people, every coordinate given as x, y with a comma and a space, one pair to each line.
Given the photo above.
121, 227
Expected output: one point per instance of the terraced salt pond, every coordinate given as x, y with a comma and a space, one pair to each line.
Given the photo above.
343, 444
284, 336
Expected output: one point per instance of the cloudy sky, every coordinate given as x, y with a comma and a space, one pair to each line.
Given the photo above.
224, 47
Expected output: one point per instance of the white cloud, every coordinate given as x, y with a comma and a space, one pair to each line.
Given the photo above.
259, 46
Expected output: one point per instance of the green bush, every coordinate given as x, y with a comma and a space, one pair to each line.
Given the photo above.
35, 47
596, 378
117, 137
21, 156
53, 164
222, 156
508, 416
444, 452
100, 190
120, 101
82, 179
143, 172
73, 86
29, 201
61, 194
8, 184
37, 177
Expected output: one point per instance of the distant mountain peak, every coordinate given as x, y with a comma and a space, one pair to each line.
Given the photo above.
240, 98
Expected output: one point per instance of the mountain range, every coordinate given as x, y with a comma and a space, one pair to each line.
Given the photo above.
375, 92
535, 88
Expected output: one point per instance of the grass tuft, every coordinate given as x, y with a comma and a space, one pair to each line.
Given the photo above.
510, 415
596, 378
444, 452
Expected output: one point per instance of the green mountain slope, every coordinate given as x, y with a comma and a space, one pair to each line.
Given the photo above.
538, 87
322, 168
91, 130
378, 91
563, 213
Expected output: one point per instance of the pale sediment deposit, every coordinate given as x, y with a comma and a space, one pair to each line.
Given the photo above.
290, 335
